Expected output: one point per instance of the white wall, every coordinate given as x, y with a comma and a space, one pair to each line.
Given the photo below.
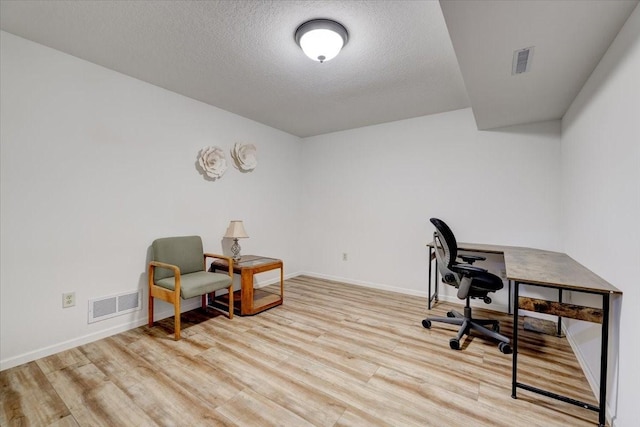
370, 192
601, 208
95, 165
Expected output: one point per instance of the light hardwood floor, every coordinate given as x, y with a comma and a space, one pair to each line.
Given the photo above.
332, 355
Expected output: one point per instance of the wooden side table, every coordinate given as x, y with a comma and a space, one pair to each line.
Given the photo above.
249, 301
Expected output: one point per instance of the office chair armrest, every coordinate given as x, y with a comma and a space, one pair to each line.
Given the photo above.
467, 270
465, 286
470, 259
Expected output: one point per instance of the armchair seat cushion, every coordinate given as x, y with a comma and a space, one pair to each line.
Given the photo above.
196, 283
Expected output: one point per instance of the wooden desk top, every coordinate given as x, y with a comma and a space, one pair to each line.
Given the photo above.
545, 268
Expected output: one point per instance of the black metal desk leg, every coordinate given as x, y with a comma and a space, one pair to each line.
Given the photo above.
436, 285
604, 354
559, 333
514, 367
429, 292
509, 301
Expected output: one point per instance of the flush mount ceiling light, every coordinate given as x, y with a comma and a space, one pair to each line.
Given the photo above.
321, 39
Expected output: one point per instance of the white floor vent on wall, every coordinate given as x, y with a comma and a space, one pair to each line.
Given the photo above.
116, 305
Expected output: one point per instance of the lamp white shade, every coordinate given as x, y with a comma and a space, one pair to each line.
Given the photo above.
236, 230
321, 39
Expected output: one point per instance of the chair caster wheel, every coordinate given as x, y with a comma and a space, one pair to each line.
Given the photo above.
487, 300
426, 324
454, 344
450, 314
505, 348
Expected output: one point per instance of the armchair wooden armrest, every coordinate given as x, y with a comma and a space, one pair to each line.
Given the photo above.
153, 264
170, 296
176, 274
226, 258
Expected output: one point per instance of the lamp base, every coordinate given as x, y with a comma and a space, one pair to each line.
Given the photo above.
235, 250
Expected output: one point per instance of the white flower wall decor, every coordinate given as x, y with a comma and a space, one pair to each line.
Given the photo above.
212, 162
244, 156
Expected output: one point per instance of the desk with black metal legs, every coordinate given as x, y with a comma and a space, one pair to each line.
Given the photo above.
554, 270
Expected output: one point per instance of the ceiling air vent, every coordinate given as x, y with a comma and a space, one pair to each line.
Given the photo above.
522, 60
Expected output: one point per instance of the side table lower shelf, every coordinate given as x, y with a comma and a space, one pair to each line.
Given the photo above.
262, 300
248, 301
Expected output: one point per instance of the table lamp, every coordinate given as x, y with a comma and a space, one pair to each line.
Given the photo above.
236, 231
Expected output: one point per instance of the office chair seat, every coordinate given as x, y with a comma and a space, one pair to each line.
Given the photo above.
483, 284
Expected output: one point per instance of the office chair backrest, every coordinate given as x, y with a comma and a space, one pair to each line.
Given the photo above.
448, 240
446, 249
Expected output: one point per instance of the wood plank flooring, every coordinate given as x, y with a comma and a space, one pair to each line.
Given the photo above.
332, 355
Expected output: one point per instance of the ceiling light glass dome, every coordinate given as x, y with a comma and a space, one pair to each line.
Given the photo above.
321, 39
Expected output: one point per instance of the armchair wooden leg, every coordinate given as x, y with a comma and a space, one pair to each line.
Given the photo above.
204, 301
231, 301
176, 306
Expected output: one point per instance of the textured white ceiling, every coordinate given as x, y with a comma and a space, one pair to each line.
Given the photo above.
399, 63
241, 56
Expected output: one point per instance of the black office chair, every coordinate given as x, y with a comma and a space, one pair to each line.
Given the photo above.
472, 282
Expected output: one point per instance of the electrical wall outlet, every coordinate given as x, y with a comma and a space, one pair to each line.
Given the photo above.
68, 299
345, 256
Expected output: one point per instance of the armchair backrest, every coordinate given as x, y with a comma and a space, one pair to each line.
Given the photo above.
185, 251
446, 249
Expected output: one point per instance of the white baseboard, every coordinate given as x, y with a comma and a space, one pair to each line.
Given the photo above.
405, 291
94, 336
592, 378
103, 333
268, 282
366, 284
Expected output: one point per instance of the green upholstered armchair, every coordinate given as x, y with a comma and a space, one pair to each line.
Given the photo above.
178, 271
